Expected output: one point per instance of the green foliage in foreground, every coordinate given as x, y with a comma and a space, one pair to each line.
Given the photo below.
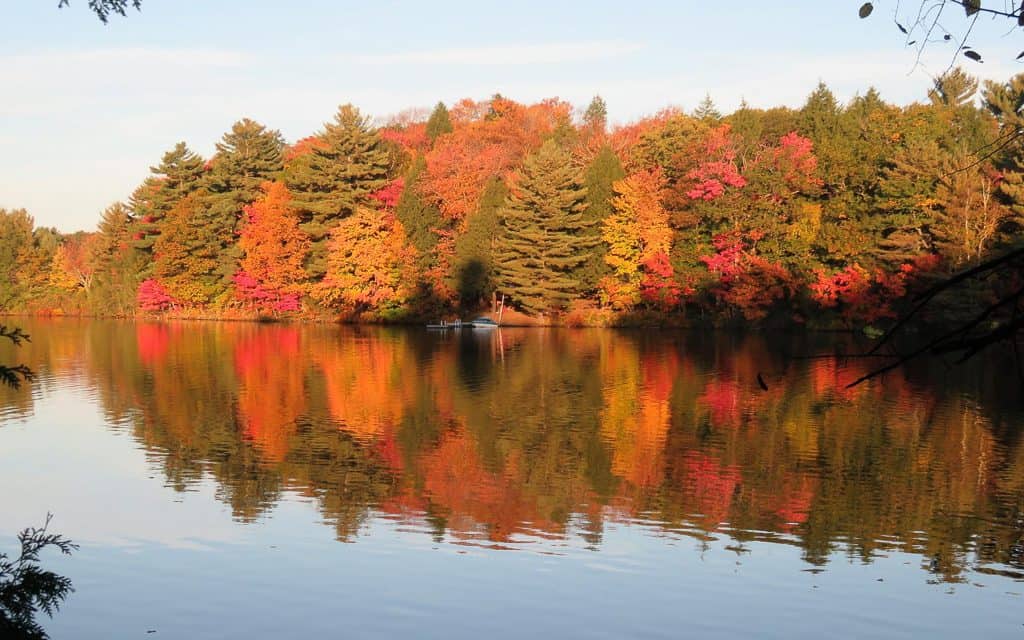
26, 588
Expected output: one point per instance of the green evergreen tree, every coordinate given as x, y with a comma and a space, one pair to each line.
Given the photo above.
953, 89
117, 266
246, 156
598, 178
900, 224
439, 123
330, 181
15, 238
1006, 102
542, 239
707, 111
179, 173
595, 118
418, 216
187, 255
474, 262
820, 120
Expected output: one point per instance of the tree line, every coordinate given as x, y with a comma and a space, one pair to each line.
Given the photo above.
829, 214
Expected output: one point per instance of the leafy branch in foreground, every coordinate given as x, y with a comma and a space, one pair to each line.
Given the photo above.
104, 8
25, 588
13, 376
999, 321
927, 26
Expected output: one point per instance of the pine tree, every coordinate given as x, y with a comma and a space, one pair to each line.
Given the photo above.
419, 217
439, 123
604, 170
953, 89
186, 257
1006, 102
117, 266
820, 120
246, 156
595, 118
15, 238
542, 239
707, 111
474, 261
179, 173
333, 178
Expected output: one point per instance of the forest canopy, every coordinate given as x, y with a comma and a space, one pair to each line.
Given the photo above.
830, 213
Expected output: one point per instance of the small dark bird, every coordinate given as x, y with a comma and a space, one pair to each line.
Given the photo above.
761, 382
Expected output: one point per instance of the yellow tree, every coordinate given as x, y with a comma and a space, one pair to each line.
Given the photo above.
369, 264
637, 234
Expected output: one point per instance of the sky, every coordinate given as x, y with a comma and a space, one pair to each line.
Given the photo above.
86, 109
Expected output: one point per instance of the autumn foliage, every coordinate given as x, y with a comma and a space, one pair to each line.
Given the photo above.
271, 274
830, 214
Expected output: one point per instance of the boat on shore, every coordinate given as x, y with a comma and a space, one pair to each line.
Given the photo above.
482, 323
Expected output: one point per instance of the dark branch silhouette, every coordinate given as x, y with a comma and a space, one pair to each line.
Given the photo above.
997, 322
13, 376
26, 589
105, 8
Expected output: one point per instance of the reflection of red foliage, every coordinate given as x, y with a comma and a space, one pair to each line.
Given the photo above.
388, 451
794, 503
827, 377
724, 400
152, 341
711, 485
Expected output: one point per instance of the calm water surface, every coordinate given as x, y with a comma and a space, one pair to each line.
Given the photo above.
241, 481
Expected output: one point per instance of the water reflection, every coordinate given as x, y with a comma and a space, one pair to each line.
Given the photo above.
527, 436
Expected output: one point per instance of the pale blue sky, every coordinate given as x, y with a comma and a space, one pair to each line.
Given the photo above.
87, 108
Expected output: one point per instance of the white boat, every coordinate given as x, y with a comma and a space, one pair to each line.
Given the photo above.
482, 323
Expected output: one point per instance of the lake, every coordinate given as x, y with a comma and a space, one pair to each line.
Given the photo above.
231, 480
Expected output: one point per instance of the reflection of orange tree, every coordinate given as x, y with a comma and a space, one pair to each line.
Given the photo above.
271, 394
557, 427
472, 495
367, 380
635, 419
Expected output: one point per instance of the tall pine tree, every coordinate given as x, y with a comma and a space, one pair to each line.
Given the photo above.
604, 170
543, 240
439, 123
246, 156
329, 181
179, 174
474, 260
116, 264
